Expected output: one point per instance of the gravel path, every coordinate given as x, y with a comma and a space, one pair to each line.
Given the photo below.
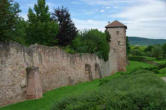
164, 78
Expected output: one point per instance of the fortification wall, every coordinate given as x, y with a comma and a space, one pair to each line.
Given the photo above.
57, 68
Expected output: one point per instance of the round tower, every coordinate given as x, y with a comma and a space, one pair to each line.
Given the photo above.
117, 55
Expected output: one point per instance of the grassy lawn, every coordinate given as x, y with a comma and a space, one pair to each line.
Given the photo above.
51, 97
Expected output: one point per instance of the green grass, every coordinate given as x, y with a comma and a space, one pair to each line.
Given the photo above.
135, 65
53, 96
141, 90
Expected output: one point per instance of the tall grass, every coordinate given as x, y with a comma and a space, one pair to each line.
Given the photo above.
141, 90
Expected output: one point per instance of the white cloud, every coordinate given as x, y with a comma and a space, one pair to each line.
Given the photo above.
23, 15
102, 11
52, 6
90, 24
147, 19
105, 2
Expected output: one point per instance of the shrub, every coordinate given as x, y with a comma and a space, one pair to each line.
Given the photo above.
163, 71
137, 58
141, 58
141, 90
162, 65
157, 52
153, 69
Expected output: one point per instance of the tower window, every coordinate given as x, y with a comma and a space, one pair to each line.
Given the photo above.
117, 32
118, 42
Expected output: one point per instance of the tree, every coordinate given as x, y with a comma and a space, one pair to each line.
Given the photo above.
92, 41
67, 30
108, 36
157, 52
127, 46
164, 50
8, 16
136, 51
148, 48
19, 35
42, 29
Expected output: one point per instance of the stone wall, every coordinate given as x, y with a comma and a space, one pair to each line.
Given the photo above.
57, 68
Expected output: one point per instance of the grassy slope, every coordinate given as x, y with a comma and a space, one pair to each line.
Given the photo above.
50, 97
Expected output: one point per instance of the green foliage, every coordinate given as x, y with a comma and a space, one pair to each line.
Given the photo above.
136, 51
67, 30
137, 58
141, 58
8, 17
108, 37
42, 29
92, 41
19, 35
157, 52
126, 92
148, 48
164, 50
127, 45
163, 71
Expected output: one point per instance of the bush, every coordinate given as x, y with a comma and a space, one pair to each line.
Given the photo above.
157, 52
137, 58
162, 65
141, 58
137, 51
141, 90
163, 71
153, 69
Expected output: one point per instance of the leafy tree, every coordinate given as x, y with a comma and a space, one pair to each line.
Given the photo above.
157, 52
164, 50
19, 35
8, 16
92, 41
148, 48
67, 30
108, 37
136, 51
127, 45
42, 29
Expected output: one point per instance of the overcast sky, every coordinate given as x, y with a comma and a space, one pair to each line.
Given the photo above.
144, 18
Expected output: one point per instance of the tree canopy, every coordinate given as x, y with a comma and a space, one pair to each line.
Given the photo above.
42, 29
8, 17
67, 30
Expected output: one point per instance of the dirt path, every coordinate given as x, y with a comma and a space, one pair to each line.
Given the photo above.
164, 78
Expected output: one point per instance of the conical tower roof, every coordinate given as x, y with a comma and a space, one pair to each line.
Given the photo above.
116, 24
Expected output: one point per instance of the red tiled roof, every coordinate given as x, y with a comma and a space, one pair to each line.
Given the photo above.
116, 24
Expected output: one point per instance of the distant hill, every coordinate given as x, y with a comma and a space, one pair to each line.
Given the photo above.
145, 41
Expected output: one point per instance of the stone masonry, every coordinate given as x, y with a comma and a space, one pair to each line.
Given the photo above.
27, 72
34, 89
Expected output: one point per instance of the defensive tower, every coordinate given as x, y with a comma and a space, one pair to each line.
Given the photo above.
117, 53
